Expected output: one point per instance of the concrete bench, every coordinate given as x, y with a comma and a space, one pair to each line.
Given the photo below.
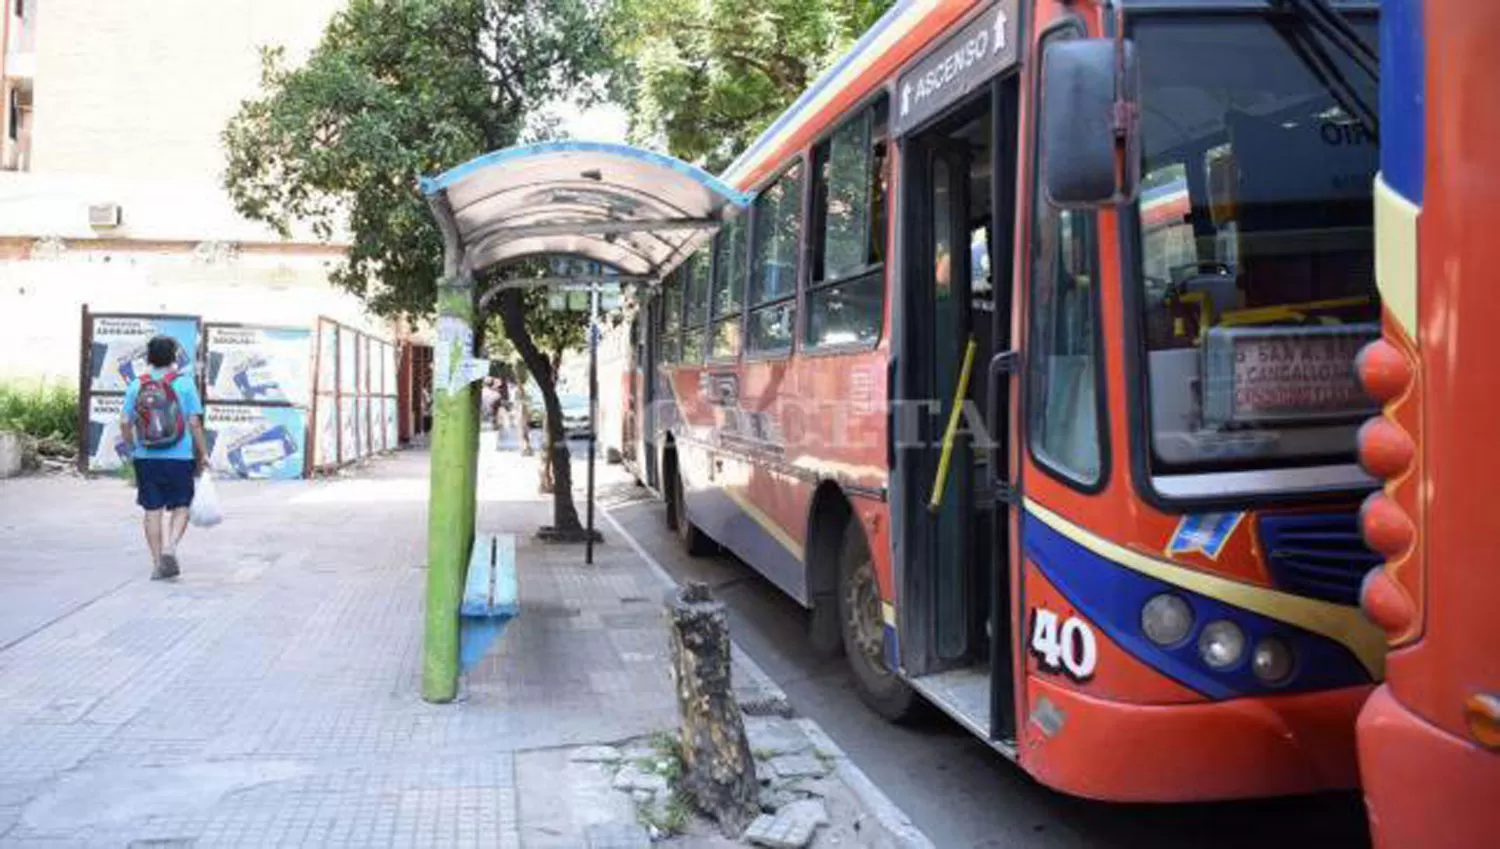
491, 596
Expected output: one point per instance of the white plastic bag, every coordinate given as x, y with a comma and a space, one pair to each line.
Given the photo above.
205, 511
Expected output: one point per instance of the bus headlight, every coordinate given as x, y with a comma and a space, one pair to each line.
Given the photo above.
1222, 644
1166, 619
1272, 660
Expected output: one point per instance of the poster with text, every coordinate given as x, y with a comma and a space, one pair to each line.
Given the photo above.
392, 370
328, 356
105, 445
347, 443
377, 368
371, 372
392, 426
256, 442
348, 362
362, 426
117, 350
325, 434
267, 365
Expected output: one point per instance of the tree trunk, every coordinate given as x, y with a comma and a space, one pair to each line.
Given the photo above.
513, 317
718, 769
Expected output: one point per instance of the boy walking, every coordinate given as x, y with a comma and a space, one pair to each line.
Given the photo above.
162, 422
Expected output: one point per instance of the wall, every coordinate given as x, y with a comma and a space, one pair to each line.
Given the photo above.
41, 298
130, 98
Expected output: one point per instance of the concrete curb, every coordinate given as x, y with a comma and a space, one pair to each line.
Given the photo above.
886, 812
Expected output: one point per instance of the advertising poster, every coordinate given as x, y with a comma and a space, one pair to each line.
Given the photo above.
105, 446
328, 356
370, 374
256, 442
347, 442
391, 377
362, 426
264, 365
377, 367
392, 432
118, 347
326, 445
348, 365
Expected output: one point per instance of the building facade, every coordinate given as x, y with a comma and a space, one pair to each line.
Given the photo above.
111, 167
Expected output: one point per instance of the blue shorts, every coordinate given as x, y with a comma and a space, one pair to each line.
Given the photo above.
164, 484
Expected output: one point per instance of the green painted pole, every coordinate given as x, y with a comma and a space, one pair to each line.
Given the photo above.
450, 508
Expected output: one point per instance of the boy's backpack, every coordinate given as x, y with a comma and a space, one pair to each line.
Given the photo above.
158, 412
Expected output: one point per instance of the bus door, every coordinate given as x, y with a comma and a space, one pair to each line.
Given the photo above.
650, 351
956, 631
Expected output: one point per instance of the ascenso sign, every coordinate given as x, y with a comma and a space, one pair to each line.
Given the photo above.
984, 47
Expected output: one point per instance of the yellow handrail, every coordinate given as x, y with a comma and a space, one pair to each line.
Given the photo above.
961, 391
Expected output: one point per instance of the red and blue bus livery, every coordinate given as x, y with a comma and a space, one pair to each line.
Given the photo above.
1029, 372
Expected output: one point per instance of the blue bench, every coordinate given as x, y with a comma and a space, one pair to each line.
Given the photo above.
491, 596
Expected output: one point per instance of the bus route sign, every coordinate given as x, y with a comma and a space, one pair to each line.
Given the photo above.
984, 47
1284, 373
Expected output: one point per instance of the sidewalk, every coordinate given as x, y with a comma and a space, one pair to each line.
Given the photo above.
270, 696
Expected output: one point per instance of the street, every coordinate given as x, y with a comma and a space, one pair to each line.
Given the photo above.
954, 787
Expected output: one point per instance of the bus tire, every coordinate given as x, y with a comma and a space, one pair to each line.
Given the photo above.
694, 541
863, 628
669, 491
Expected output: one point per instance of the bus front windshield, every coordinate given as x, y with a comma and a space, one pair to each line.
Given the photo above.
1256, 245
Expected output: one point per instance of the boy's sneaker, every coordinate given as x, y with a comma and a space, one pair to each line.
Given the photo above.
166, 568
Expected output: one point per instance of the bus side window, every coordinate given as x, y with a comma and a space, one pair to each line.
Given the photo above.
846, 295
696, 287
728, 290
671, 322
1063, 391
776, 236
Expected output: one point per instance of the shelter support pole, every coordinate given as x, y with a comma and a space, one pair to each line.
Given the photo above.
588, 551
450, 516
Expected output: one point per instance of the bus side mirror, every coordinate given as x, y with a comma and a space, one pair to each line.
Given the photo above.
1089, 127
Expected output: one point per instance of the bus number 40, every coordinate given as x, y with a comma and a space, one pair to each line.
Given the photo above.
1067, 646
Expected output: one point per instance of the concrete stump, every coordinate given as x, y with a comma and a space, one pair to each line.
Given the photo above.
11, 453
718, 769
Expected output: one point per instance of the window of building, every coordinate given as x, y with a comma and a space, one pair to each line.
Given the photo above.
777, 241
1064, 392
846, 300
728, 290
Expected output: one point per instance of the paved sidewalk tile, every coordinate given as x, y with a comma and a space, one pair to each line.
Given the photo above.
270, 695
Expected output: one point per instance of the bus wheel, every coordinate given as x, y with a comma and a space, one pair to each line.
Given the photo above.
695, 542
863, 628
669, 491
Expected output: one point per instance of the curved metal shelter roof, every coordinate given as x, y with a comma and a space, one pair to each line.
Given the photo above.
631, 209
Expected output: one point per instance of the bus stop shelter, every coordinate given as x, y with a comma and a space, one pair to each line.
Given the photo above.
633, 211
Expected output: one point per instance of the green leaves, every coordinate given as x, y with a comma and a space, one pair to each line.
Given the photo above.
705, 77
398, 89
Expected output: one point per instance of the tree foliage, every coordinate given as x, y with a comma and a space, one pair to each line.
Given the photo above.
705, 77
396, 89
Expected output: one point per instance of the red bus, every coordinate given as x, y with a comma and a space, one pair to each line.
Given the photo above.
1064, 451
1429, 738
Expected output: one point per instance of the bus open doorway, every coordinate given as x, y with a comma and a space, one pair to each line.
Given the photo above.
955, 623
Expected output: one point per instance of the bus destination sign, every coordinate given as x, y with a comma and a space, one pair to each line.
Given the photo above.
1269, 374
984, 47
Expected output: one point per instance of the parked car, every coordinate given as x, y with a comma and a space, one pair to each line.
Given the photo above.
575, 412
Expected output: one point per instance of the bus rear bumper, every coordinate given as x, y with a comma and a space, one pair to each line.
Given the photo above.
1424, 786
1240, 748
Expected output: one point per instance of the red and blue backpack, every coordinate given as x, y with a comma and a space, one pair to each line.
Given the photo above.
158, 412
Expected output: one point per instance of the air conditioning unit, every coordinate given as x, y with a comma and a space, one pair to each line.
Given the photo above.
105, 215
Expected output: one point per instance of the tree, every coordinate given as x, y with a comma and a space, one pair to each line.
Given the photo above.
541, 336
705, 77
396, 89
